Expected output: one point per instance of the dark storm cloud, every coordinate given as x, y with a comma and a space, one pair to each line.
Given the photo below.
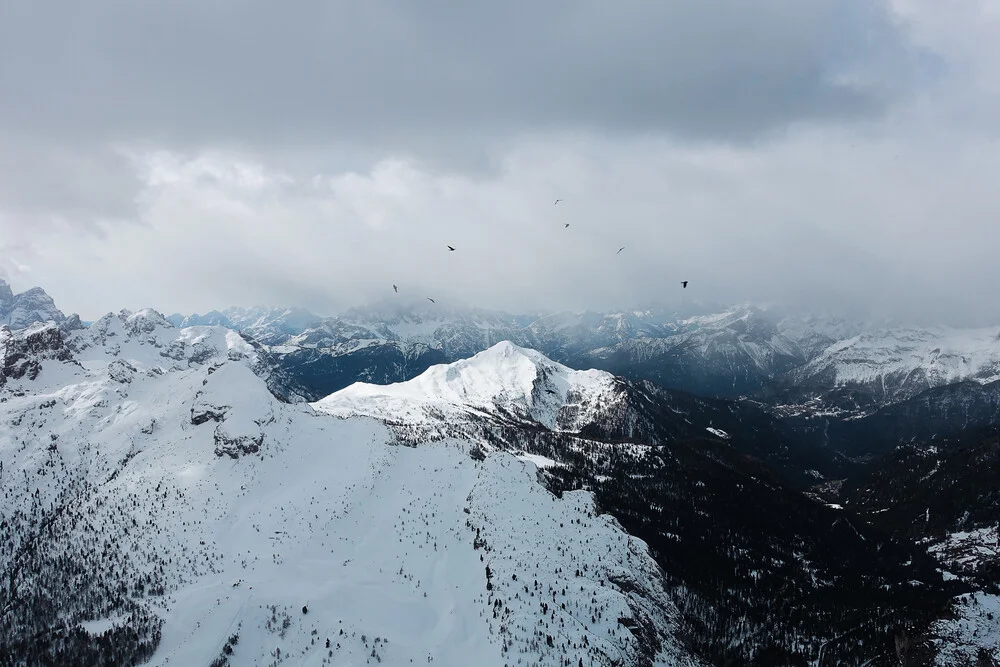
398, 73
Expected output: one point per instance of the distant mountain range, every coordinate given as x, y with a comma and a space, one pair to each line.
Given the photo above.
742, 351
816, 373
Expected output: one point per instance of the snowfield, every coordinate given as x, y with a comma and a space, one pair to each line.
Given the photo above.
157, 461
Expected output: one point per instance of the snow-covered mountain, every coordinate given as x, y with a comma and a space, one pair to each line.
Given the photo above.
895, 365
800, 363
508, 386
268, 325
674, 469
504, 381
158, 498
33, 306
729, 354
170, 497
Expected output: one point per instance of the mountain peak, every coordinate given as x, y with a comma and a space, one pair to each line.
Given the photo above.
6, 294
505, 379
146, 321
19, 311
506, 350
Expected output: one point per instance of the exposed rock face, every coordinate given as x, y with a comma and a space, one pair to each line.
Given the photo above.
6, 296
233, 397
121, 371
18, 311
22, 352
236, 446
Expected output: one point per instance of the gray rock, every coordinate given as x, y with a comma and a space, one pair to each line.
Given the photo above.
19, 311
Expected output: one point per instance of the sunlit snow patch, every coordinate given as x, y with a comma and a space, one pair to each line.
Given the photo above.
540, 461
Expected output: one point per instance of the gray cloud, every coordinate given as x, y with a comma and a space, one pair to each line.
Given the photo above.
404, 74
811, 222
42, 181
190, 156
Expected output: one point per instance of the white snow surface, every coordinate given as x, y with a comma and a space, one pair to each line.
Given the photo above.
505, 378
936, 356
968, 548
539, 460
975, 627
386, 546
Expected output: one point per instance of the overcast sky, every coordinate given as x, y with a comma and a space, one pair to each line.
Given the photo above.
195, 154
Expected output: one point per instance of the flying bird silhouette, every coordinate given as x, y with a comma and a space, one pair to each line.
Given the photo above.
395, 289
566, 225
451, 249
684, 283
431, 300
620, 250
557, 201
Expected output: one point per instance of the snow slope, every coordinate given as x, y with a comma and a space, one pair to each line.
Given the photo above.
157, 461
504, 379
900, 363
974, 631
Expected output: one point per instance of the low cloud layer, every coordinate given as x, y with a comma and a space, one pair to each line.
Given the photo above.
832, 155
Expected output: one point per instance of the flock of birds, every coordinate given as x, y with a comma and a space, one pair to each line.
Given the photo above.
395, 288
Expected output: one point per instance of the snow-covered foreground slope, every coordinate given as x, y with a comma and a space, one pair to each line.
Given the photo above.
504, 380
149, 480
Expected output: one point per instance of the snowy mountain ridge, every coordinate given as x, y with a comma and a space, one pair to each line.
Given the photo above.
504, 379
158, 498
902, 362
795, 360
500, 398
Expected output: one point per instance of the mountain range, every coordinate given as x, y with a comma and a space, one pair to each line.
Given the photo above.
176, 491
741, 351
836, 382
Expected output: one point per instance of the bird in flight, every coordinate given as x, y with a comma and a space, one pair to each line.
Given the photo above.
431, 300
620, 250
566, 225
684, 283
557, 201
451, 249
550, 391
395, 289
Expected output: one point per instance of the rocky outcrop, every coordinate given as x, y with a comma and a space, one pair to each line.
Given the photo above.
19, 311
236, 446
121, 371
22, 352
